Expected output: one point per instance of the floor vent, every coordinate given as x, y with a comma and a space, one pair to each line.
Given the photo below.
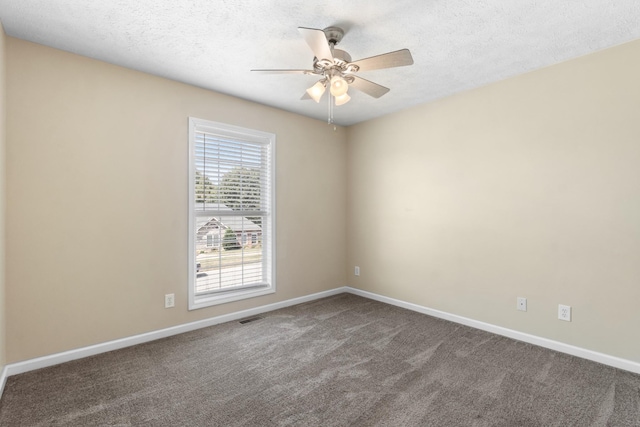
250, 319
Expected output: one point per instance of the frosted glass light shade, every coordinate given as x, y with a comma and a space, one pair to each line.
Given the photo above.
342, 99
339, 86
316, 91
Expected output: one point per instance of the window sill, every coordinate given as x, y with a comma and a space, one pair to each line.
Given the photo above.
225, 297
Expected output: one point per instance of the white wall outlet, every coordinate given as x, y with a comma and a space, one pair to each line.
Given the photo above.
564, 312
521, 304
357, 271
169, 300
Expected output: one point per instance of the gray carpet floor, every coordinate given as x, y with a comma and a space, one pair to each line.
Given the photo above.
339, 361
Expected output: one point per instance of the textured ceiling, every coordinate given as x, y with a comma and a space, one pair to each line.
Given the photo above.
456, 44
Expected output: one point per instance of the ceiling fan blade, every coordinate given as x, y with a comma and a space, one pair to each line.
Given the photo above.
305, 96
398, 58
285, 71
317, 41
370, 88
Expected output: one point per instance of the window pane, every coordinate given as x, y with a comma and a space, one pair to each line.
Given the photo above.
236, 261
230, 174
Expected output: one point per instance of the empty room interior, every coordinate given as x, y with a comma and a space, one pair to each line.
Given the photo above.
453, 241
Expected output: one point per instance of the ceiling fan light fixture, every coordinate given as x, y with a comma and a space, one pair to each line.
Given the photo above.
342, 99
339, 86
317, 90
336, 70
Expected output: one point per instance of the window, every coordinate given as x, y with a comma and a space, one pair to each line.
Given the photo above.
231, 197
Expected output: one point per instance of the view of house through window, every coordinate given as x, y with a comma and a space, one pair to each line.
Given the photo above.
231, 213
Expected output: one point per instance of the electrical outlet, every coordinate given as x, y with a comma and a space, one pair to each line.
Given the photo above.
169, 300
564, 312
357, 271
521, 304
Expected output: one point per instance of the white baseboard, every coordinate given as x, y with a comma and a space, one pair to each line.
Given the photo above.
79, 353
55, 359
605, 359
3, 379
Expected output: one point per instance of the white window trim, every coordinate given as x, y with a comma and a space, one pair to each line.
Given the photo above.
196, 302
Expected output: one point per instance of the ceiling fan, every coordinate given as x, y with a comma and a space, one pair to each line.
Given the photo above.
336, 70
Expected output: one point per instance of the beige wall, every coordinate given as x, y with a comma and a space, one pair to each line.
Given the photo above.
2, 197
97, 200
529, 187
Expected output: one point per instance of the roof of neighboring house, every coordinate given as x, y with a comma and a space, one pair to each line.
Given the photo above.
234, 222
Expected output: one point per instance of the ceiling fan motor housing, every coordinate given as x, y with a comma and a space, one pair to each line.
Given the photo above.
341, 60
